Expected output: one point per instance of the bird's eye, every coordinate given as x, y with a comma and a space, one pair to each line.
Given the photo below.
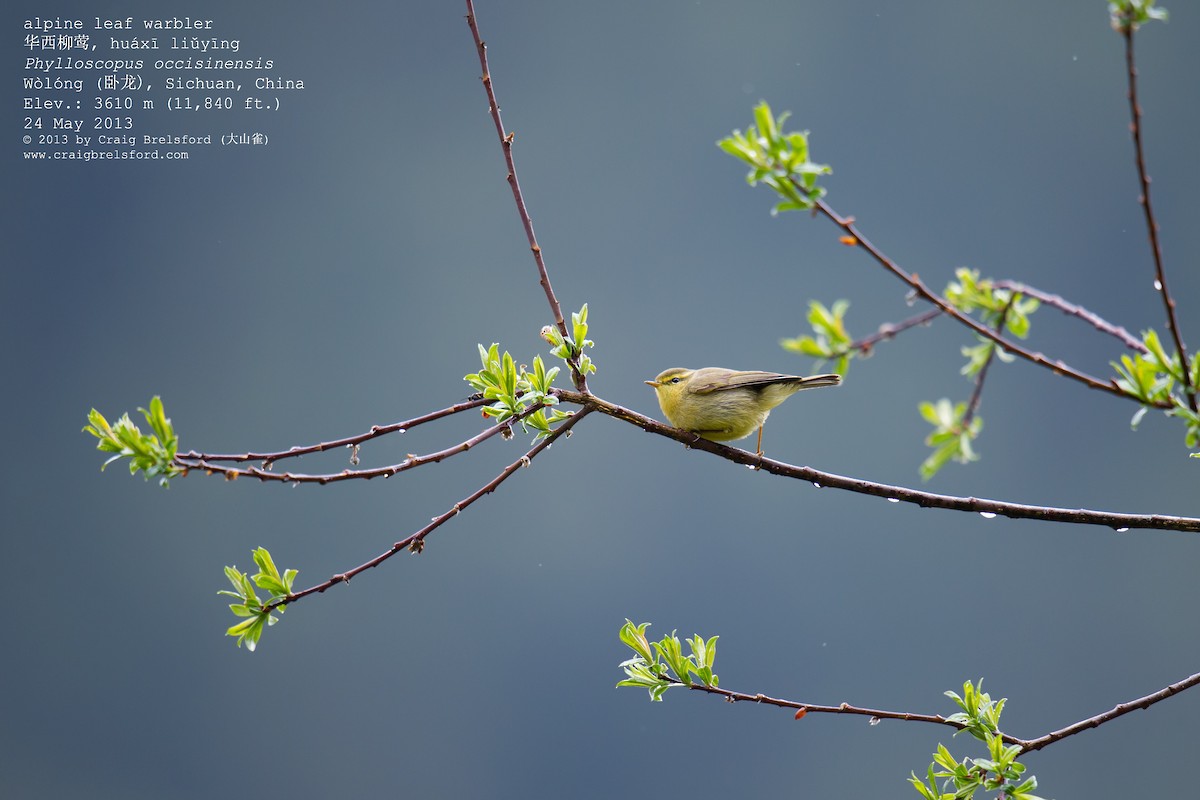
674, 380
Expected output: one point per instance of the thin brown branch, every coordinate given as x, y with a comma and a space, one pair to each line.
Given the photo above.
1160, 275
874, 714
1026, 745
265, 475
1067, 307
506, 144
889, 330
899, 494
375, 432
1119, 710
977, 392
416, 540
918, 286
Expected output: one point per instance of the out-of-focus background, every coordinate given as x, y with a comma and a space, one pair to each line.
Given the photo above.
342, 275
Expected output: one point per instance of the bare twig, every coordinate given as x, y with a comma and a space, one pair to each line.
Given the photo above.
1117, 711
977, 392
1026, 745
1160, 275
262, 474
375, 432
843, 708
900, 494
506, 143
923, 291
416, 541
889, 330
1067, 307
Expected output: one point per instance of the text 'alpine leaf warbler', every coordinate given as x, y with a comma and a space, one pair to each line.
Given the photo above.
724, 404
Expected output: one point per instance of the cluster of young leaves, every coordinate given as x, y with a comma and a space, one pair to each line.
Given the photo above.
969, 294
152, 453
657, 666
999, 771
778, 159
570, 349
1129, 15
516, 390
1153, 377
955, 425
830, 340
951, 436
249, 604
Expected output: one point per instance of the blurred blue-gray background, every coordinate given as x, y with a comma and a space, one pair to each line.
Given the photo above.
342, 276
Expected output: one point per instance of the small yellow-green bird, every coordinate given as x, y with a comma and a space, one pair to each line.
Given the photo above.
725, 404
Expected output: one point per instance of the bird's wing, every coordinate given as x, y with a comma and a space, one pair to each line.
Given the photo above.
742, 380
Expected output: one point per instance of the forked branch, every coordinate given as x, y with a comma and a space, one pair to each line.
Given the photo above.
415, 542
913, 281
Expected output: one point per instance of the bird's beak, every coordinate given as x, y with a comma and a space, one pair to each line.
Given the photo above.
655, 384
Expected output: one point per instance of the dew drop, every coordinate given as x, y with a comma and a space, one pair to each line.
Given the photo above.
987, 514
893, 499
1157, 285
401, 430
817, 485
1122, 530
874, 721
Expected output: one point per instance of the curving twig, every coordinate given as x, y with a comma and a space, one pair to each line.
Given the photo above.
889, 330
1119, 710
1067, 307
977, 392
349, 441
875, 714
265, 475
1160, 275
506, 143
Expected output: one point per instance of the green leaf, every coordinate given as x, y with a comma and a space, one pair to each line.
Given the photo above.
634, 637
579, 325
266, 564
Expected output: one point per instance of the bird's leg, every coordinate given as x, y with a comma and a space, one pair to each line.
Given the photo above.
758, 449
